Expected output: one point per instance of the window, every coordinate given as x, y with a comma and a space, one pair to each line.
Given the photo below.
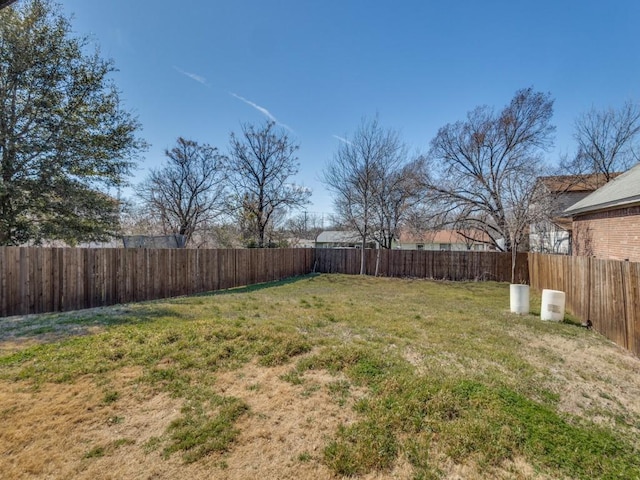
445, 247
420, 246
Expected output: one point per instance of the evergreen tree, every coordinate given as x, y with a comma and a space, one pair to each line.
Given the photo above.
65, 139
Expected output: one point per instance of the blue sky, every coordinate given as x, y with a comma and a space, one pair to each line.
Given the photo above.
199, 69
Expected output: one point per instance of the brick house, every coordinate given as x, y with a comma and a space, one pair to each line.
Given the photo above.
606, 224
558, 193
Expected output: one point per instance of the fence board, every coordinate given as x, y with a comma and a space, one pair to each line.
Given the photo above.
12, 282
606, 292
632, 313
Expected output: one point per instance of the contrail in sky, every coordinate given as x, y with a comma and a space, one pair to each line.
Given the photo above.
343, 140
262, 110
192, 76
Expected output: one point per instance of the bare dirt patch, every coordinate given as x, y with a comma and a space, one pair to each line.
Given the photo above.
284, 435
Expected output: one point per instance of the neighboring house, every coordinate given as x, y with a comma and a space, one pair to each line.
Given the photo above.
341, 239
558, 194
444, 240
606, 224
296, 242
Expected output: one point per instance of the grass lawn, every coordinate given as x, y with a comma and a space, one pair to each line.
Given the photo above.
324, 376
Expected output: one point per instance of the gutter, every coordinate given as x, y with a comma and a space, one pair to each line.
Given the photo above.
614, 204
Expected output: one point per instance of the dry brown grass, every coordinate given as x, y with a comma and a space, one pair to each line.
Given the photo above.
54, 427
590, 376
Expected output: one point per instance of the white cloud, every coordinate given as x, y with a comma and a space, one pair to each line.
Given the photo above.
192, 76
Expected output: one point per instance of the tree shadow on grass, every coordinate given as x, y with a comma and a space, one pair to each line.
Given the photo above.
258, 286
23, 331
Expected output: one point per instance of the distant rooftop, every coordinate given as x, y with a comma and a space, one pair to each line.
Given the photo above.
445, 236
575, 183
622, 191
338, 236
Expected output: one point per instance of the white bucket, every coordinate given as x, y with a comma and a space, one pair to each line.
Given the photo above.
519, 298
552, 305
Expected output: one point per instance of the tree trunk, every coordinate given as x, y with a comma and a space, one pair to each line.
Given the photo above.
514, 257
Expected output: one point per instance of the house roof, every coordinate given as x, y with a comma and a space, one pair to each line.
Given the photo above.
443, 236
575, 183
338, 236
562, 201
622, 191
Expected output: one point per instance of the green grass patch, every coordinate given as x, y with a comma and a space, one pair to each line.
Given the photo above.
339, 391
100, 451
198, 433
110, 397
361, 448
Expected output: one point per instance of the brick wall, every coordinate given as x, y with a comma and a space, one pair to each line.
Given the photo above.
613, 234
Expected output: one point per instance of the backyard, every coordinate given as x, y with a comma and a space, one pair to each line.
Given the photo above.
321, 376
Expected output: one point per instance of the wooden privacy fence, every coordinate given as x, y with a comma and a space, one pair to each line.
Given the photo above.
444, 265
607, 292
38, 280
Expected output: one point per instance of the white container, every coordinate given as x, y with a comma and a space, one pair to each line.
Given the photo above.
519, 298
552, 305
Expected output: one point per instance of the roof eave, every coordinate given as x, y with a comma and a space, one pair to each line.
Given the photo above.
627, 202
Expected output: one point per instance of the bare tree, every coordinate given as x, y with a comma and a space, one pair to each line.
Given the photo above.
484, 168
371, 182
400, 189
137, 219
607, 141
188, 192
524, 206
305, 226
351, 177
261, 164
